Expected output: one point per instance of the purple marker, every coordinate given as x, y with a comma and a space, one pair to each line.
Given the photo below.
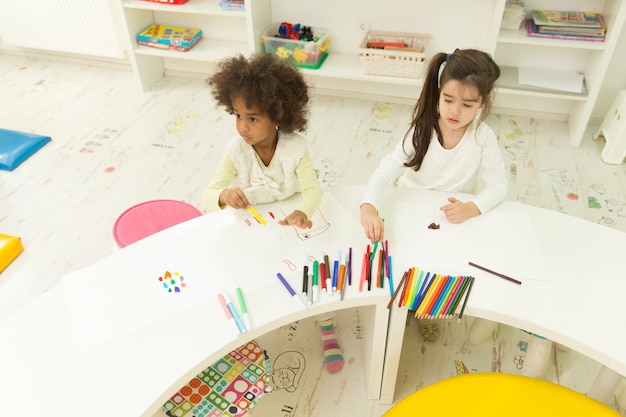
291, 291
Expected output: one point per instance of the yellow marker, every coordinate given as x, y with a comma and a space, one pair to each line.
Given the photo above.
257, 216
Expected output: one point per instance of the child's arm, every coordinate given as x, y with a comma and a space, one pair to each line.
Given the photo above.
372, 223
494, 182
222, 178
311, 190
457, 211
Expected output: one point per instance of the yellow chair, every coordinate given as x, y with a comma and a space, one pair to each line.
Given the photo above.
497, 395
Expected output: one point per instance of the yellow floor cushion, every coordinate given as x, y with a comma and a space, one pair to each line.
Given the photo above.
497, 395
10, 247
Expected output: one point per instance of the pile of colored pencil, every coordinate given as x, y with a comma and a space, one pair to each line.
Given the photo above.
431, 295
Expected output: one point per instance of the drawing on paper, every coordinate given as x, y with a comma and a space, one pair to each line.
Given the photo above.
316, 230
173, 283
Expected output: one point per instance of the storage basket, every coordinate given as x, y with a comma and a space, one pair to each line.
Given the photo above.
406, 61
302, 54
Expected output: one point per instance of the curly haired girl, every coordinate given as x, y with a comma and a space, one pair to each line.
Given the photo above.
268, 160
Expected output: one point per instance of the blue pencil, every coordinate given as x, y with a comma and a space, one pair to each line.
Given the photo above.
422, 294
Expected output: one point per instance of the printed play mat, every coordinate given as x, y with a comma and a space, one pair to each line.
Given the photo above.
228, 388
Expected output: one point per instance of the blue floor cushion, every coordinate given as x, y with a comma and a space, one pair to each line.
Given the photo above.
16, 147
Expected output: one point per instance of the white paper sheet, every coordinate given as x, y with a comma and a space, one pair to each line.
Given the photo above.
561, 80
255, 253
124, 292
500, 241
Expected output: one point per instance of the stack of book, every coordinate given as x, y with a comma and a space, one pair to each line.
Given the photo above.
169, 37
513, 15
583, 26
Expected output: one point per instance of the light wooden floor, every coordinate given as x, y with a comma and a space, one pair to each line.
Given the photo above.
114, 146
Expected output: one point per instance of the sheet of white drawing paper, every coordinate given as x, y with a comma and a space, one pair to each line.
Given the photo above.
561, 80
256, 253
503, 242
148, 281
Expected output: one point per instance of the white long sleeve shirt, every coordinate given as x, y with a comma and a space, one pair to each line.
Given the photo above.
473, 166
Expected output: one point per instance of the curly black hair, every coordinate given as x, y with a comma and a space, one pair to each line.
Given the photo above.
276, 88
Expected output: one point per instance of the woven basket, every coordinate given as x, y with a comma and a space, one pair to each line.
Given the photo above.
395, 62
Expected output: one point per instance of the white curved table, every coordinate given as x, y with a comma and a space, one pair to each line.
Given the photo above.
577, 301
44, 373
134, 370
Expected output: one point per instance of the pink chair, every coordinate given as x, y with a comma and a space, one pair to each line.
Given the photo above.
149, 217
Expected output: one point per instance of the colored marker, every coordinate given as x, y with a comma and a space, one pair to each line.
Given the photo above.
316, 288
389, 275
257, 215
342, 274
305, 280
244, 309
229, 315
293, 294
309, 299
233, 311
349, 266
329, 280
363, 272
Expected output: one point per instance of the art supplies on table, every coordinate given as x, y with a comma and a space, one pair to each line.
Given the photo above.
169, 37
432, 295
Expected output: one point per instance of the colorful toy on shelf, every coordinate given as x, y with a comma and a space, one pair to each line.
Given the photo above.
301, 45
288, 30
306, 34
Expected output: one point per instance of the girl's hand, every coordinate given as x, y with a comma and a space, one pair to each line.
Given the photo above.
458, 211
234, 197
297, 218
372, 224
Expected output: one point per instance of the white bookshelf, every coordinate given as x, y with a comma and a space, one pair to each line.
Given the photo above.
466, 26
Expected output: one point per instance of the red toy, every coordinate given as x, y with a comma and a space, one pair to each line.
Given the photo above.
289, 31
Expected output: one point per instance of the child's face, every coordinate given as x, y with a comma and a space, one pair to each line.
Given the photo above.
458, 104
255, 128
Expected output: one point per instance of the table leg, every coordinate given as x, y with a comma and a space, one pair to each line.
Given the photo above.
395, 337
605, 384
373, 344
480, 330
621, 400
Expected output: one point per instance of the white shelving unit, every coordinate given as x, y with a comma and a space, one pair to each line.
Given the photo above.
514, 49
229, 32
225, 32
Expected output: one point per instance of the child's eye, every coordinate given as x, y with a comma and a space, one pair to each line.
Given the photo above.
253, 119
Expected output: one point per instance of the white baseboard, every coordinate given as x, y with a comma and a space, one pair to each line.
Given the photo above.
113, 63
